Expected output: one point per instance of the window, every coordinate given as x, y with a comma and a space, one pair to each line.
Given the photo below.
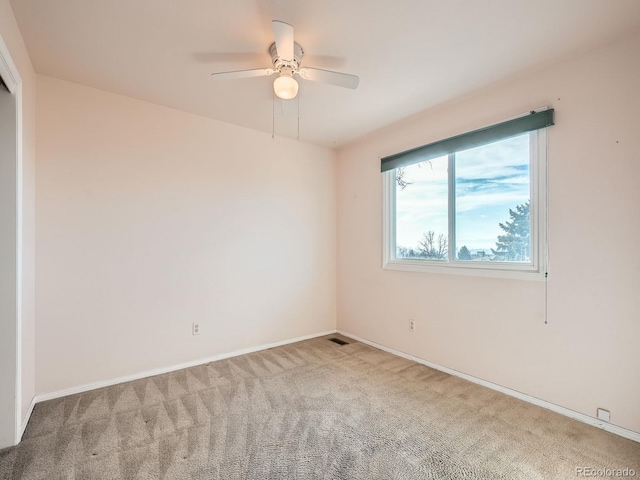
474, 204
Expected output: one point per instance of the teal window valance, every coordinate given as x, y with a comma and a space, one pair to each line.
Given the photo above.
475, 138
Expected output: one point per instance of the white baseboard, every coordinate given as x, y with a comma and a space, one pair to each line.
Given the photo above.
172, 368
25, 420
623, 432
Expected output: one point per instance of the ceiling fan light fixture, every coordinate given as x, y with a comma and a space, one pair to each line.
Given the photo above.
285, 87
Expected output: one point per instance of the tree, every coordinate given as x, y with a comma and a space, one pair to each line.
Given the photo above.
430, 247
515, 244
400, 178
405, 252
464, 253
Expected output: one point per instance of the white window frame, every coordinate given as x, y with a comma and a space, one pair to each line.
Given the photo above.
535, 270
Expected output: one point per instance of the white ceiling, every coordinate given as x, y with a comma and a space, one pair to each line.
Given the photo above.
410, 54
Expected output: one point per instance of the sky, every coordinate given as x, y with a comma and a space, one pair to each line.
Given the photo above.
489, 181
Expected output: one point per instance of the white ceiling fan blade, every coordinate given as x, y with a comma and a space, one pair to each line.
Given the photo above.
256, 72
283, 35
326, 76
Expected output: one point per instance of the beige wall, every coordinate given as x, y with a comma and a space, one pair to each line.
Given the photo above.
11, 36
587, 356
150, 219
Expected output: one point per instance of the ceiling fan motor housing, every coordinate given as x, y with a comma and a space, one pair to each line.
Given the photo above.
282, 65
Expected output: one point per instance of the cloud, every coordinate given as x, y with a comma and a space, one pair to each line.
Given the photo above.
489, 181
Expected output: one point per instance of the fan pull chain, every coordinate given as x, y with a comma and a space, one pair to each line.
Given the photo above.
298, 100
273, 117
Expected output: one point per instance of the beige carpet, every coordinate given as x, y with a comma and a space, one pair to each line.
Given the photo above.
310, 410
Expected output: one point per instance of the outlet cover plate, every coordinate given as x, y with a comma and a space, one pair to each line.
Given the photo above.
604, 415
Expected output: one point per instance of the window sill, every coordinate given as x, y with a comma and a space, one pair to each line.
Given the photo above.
515, 272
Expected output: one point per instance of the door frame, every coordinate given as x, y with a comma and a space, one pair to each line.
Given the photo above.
13, 81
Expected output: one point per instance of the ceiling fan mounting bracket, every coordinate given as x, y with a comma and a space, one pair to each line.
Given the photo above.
287, 66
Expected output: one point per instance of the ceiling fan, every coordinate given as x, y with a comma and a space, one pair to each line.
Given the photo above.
285, 57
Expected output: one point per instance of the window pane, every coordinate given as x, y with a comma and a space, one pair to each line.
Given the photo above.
492, 202
421, 210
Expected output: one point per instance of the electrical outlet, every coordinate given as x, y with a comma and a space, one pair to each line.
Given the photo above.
604, 415
195, 329
412, 325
